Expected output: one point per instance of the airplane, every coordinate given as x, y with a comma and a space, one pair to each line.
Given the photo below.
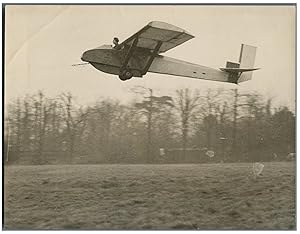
141, 53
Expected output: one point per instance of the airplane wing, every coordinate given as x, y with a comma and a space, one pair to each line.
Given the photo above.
156, 32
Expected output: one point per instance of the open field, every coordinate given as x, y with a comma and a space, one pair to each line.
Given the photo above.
198, 196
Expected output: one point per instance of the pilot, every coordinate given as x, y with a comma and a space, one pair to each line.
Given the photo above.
116, 41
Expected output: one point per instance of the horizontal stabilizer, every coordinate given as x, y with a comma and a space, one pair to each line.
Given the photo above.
238, 69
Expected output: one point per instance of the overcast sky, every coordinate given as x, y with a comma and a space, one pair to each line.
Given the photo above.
42, 42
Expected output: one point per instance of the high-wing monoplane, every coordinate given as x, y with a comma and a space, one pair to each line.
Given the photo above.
141, 53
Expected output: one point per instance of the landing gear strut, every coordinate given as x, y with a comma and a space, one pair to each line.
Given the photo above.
125, 75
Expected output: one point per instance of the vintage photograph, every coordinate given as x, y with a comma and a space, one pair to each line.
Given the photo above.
149, 117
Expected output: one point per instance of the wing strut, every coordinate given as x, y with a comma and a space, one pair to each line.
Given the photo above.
129, 54
152, 56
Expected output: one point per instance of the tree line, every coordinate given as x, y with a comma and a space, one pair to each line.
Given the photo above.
235, 126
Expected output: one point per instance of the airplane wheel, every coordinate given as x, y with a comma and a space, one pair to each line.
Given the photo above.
125, 75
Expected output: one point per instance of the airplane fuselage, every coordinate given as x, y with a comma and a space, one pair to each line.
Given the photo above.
109, 60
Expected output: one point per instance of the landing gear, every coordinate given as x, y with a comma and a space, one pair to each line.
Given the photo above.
125, 75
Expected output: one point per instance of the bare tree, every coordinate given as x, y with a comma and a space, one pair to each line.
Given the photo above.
26, 122
209, 109
16, 123
41, 118
186, 104
106, 114
75, 120
222, 110
151, 105
238, 101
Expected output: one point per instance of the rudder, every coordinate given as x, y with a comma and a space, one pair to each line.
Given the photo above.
247, 60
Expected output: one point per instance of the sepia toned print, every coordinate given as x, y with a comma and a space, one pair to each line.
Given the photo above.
149, 117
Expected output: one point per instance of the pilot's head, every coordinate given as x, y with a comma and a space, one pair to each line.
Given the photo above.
116, 41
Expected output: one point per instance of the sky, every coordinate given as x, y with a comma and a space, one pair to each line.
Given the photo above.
42, 43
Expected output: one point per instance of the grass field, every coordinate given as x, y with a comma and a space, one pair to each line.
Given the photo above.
190, 196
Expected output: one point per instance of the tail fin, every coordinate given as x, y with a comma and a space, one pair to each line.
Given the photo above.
242, 71
247, 59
